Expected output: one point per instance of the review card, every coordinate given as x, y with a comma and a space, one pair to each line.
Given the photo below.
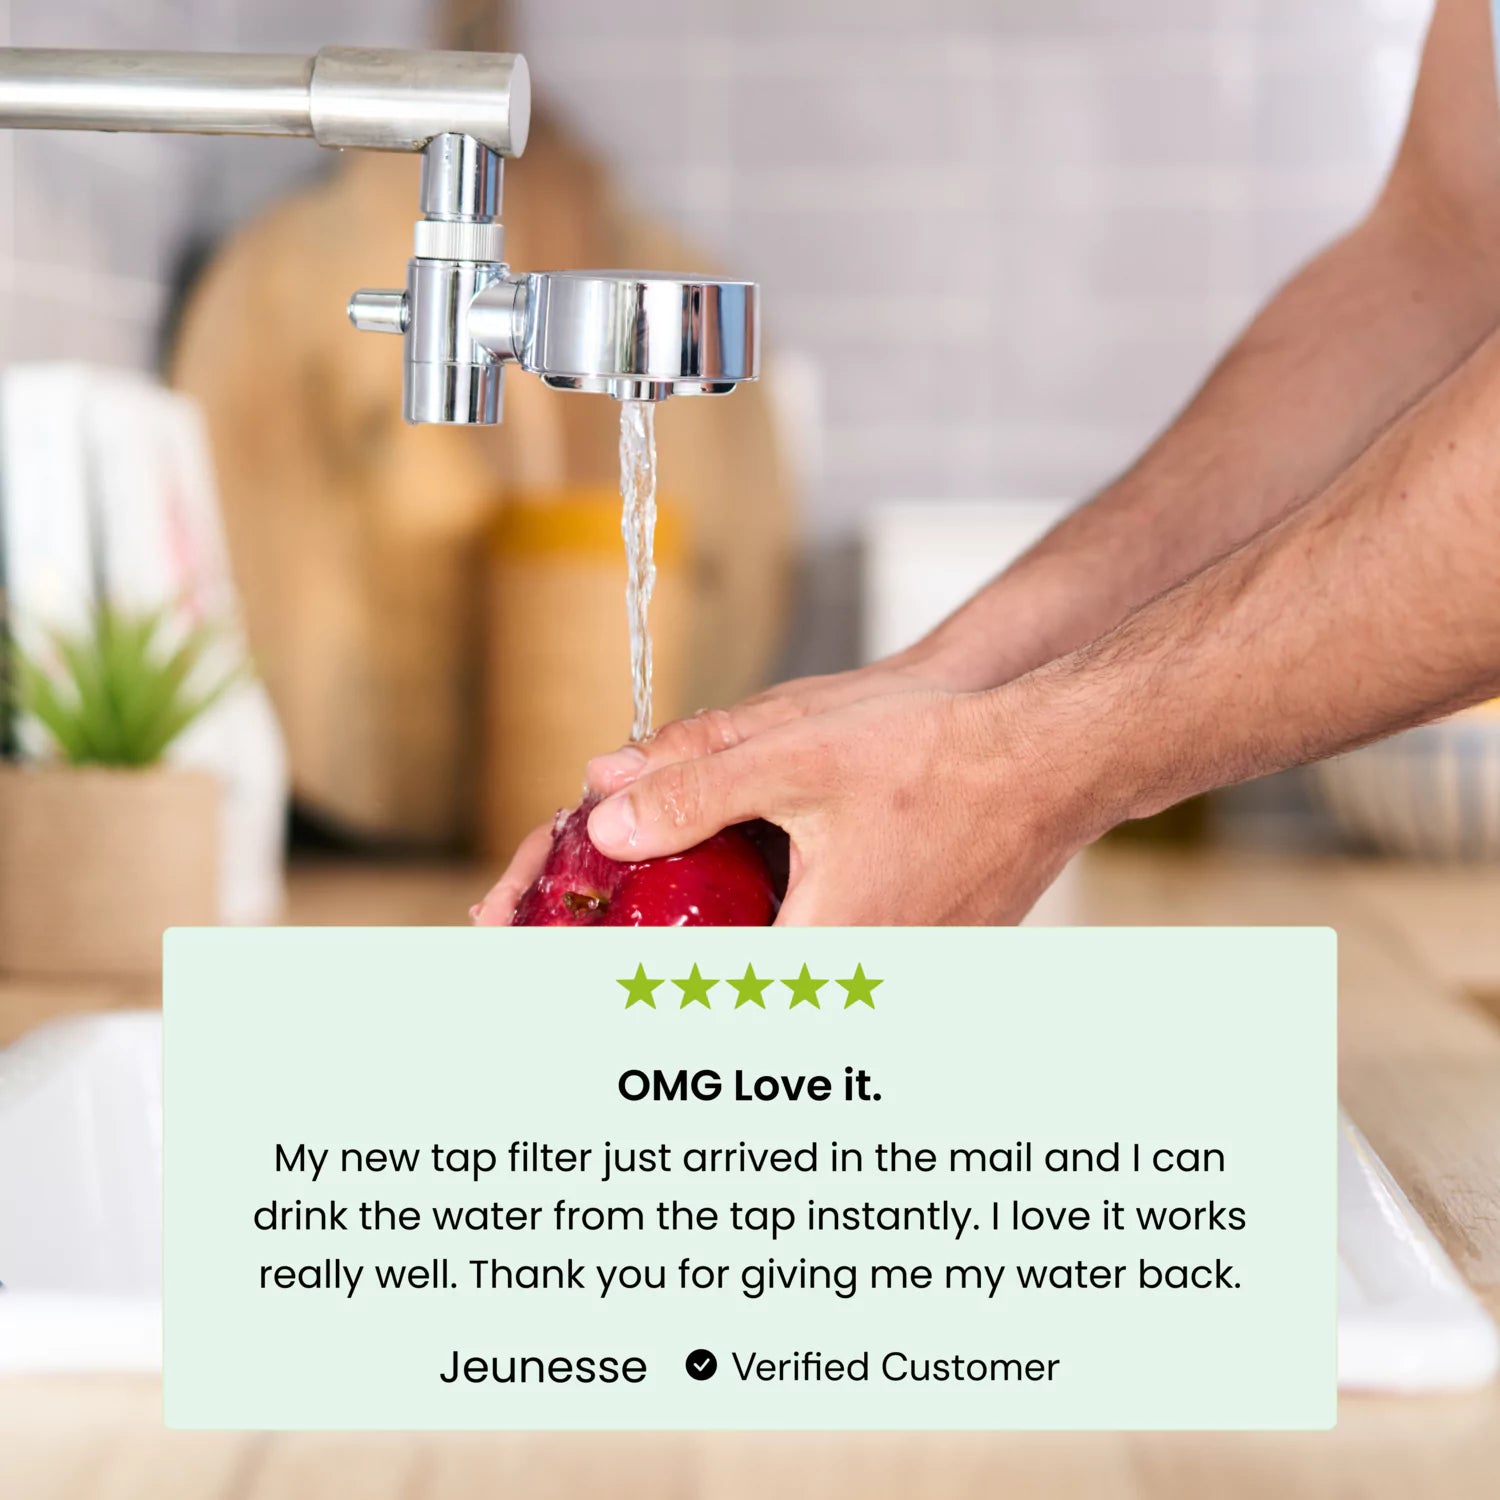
770, 1179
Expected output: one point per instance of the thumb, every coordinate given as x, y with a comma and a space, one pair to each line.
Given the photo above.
683, 803
710, 732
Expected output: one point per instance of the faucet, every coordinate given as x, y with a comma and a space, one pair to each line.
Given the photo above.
464, 315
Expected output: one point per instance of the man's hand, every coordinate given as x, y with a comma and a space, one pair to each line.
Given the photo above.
717, 729
906, 808
708, 733
1381, 317
499, 905
912, 808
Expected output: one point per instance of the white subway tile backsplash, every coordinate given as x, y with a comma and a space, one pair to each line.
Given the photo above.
677, 113
1402, 21
1342, 109
110, 204
1125, 253
841, 253
297, 26
650, 19
1012, 233
1152, 113
787, 19
892, 106
115, 211
95, 23
1039, 114
1090, 19
900, 386
103, 323
843, 323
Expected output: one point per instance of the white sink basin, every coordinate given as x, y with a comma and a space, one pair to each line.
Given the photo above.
80, 1227
1407, 1321
80, 1195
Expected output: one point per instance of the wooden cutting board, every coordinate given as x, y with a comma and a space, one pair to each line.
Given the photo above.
357, 539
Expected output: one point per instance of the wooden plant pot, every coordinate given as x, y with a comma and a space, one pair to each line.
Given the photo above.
95, 863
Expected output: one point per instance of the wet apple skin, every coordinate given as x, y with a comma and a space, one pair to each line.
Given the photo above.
723, 882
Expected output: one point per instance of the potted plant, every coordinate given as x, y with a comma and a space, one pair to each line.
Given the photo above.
102, 846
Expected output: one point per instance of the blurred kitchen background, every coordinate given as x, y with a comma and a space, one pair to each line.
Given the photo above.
1009, 234
1000, 241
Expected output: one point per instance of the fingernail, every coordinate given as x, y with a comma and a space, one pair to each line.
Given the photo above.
612, 824
606, 772
476, 911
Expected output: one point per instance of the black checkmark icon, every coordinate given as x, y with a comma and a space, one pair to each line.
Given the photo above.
701, 1364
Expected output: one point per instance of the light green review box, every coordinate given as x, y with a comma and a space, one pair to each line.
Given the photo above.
1051, 1178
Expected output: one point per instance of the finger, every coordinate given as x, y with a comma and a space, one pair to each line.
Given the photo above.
671, 809
499, 906
710, 732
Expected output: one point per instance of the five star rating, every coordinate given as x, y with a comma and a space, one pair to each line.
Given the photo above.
750, 989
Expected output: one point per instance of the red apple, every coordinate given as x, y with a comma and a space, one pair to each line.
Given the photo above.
722, 882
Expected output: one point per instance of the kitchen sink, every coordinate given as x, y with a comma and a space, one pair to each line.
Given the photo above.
80, 1195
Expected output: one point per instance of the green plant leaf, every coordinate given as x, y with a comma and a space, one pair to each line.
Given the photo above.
141, 705
117, 695
84, 675
40, 698
185, 712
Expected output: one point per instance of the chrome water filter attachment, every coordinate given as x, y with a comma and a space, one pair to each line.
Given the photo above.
642, 335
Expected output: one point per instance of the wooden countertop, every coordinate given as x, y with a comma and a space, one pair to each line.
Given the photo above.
1420, 1072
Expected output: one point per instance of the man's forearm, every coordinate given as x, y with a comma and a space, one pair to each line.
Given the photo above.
1346, 346
1374, 606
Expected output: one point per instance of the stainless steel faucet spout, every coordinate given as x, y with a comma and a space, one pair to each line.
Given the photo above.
209, 93
644, 335
343, 96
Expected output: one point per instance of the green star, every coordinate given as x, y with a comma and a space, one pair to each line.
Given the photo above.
752, 991
641, 991
860, 989
804, 988
695, 989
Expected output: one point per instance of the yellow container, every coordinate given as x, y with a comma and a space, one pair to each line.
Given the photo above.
557, 650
